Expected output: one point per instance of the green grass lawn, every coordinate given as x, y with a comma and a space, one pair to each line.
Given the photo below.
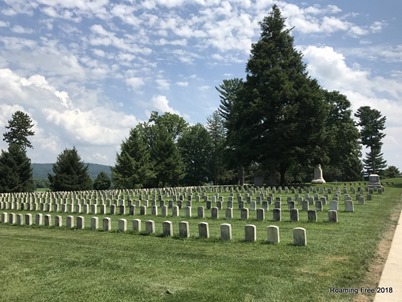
59, 264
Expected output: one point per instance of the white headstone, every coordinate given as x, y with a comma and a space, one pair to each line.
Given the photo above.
273, 234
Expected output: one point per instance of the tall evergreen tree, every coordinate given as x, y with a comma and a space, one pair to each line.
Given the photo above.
235, 118
15, 166
282, 109
69, 173
195, 146
20, 127
221, 172
163, 132
102, 182
372, 124
342, 142
133, 167
168, 164
15, 171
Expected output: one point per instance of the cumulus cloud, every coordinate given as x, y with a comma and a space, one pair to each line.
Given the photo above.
162, 84
59, 121
160, 103
135, 82
329, 67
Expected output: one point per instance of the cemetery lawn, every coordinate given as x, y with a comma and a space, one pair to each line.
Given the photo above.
58, 264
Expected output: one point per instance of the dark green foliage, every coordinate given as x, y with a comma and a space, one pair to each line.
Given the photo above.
150, 156
195, 146
392, 172
15, 171
372, 124
374, 161
15, 166
19, 129
342, 142
167, 162
102, 182
235, 122
281, 109
69, 173
173, 123
41, 183
220, 170
133, 167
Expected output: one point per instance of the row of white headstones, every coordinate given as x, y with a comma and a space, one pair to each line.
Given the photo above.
250, 230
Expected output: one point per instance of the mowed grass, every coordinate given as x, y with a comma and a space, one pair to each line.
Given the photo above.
58, 264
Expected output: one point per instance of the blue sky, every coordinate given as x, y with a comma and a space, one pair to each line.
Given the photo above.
88, 71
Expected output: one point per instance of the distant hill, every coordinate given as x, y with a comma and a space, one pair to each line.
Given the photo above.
40, 171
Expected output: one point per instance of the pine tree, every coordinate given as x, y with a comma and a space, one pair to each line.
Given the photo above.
168, 164
372, 124
281, 109
15, 166
15, 171
234, 119
195, 147
221, 156
69, 173
342, 142
19, 127
133, 168
102, 182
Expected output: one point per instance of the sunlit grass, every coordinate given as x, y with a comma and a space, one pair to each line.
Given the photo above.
57, 264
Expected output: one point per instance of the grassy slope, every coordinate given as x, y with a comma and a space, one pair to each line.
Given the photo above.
55, 264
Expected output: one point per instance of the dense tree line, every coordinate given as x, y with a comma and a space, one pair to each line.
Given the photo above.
166, 151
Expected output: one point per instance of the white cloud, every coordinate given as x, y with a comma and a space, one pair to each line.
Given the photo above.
160, 103
163, 84
59, 121
135, 82
182, 84
329, 67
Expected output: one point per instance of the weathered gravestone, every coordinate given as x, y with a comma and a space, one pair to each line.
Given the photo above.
122, 225
184, 229
250, 232
167, 228
203, 230
136, 225
226, 231
94, 223
273, 234
299, 237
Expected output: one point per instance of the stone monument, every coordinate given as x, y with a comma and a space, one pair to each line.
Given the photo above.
318, 179
374, 181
